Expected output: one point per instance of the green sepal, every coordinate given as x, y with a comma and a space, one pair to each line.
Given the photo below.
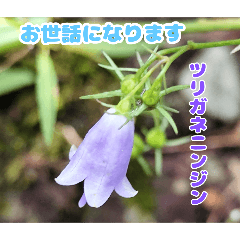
121, 69
173, 89
115, 93
170, 109
115, 67
168, 117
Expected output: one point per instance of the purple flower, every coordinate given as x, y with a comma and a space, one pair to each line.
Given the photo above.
101, 161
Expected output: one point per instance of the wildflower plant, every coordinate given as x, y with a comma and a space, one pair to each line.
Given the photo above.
139, 94
102, 159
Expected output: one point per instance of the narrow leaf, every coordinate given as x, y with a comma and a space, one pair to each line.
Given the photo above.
173, 89
105, 104
118, 72
15, 79
121, 69
168, 117
179, 141
170, 109
139, 59
115, 93
47, 94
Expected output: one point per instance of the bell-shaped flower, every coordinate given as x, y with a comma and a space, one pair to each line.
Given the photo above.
101, 161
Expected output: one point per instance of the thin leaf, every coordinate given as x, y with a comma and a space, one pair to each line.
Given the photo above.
118, 72
121, 69
145, 166
106, 104
115, 93
15, 79
164, 124
120, 50
170, 109
9, 39
139, 59
139, 110
179, 141
47, 94
141, 63
153, 53
173, 89
168, 117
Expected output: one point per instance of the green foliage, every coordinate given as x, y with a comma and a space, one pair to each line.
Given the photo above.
47, 94
15, 79
168, 117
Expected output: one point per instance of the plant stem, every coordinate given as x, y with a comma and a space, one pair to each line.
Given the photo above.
144, 79
158, 80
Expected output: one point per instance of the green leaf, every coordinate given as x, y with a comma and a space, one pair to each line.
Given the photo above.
168, 117
164, 124
120, 50
141, 63
139, 59
173, 89
170, 109
158, 161
121, 69
10, 31
145, 166
9, 39
15, 79
47, 94
139, 110
116, 69
115, 93
177, 142
106, 104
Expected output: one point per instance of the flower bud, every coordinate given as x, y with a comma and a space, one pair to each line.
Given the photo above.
129, 83
124, 106
150, 97
138, 146
156, 138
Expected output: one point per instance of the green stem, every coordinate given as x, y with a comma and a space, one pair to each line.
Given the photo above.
144, 79
201, 25
158, 161
210, 25
158, 80
155, 115
194, 46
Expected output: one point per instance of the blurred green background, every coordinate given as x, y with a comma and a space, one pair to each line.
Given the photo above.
41, 115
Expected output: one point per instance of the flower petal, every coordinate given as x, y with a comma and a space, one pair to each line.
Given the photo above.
102, 158
75, 171
108, 161
72, 151
96, 193
125, 189
82, 201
